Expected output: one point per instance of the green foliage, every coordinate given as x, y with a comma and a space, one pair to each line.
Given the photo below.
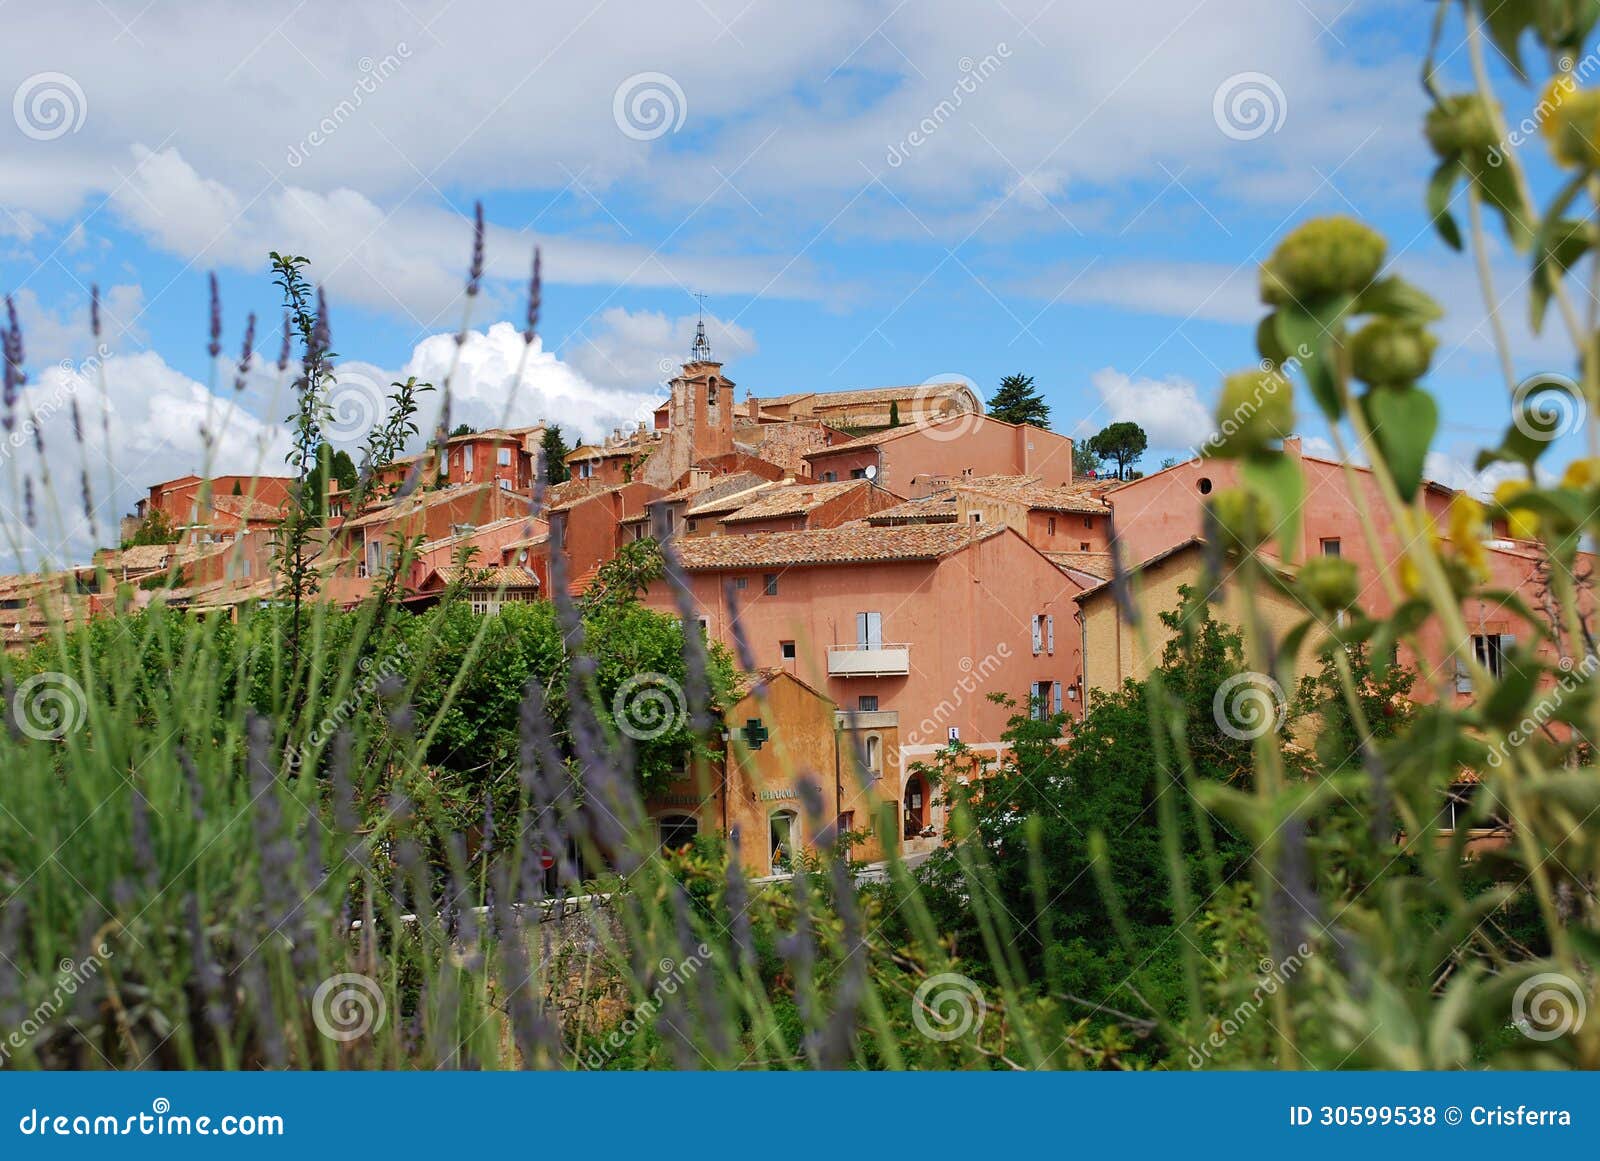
1017, 400
555, 455
155, 528
1123, 443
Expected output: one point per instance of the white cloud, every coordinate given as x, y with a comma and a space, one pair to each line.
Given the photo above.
1168, 409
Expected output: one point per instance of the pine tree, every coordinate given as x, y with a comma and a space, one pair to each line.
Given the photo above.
1124, 443
1019, 401
555, 455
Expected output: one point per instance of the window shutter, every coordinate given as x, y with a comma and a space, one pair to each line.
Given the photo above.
1055, 696
1037, 635
1463, 676
1050, 633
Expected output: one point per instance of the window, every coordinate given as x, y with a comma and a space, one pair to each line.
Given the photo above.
874, 755
769, 584
1205, 486
586, 470
977, 517
829, 477
374, 557
858, 473
505, 485
1044, 633
1044, 699
788, 649
869, 630
846, 821
1330, 546
1088, 521
678, 831
466, 459
1050, 526
867, 703
739, 582
1083, 546
1489, 649
503, 457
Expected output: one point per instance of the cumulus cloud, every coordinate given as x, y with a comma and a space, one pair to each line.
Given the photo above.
1168, 409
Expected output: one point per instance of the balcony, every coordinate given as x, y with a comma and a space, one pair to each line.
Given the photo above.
869, 660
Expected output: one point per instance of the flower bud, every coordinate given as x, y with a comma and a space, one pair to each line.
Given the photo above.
1329, 583
1322, 258
1254, 409
1460, 124
1386, 352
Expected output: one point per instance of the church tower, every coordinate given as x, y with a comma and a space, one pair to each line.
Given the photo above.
702, 402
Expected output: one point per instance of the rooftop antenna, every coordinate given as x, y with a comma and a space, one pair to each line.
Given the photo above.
701, 351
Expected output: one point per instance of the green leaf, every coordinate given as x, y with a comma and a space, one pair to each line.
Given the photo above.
1276, 478
1403, 422
1396, 298
1499, 190
1505, 703
1552, 232
1306, 331
1506, 23
1440, 186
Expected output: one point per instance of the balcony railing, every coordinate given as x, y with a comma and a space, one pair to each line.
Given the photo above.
869, 660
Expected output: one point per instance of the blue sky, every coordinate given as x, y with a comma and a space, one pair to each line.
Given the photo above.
868, 193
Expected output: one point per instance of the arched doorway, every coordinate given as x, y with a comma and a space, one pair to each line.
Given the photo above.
784, 832
916, 806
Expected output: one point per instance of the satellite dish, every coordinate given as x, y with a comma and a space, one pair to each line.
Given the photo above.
872, 472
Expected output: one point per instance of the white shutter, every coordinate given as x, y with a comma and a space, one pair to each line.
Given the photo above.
1037, 635
1055, 696
1050, 633
1463, 676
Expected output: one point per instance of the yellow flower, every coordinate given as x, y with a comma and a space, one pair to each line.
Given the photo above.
1524, 525
1465, 522
1584, 473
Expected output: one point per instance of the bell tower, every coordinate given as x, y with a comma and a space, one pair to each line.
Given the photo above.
702, 401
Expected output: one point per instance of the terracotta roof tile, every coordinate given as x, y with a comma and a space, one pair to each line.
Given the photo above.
1029, 490
793, 500
847, 544
936, 509
1096, 564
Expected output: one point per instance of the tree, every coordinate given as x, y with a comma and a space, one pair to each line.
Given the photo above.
555, 455
344, 470
1123, 443
1019, 401
894, 413
155, 528
1085, 464
462, 429
237, 490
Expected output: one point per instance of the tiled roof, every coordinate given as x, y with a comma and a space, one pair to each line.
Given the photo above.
1028, 490
493, 576
729, 501
415, 502
1096, 564
712, 488
487, 526
924, 391
848, 544
793, 500
247, 508
935, 509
